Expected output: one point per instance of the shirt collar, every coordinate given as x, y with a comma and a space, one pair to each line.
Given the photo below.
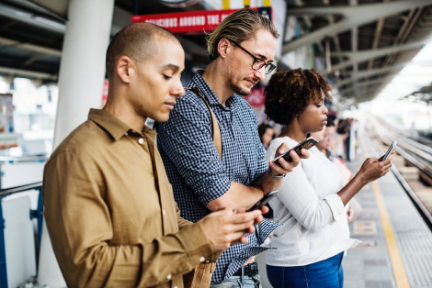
210, 95
113, 125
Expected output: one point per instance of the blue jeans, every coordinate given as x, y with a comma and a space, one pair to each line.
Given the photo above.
235, 282
324, 274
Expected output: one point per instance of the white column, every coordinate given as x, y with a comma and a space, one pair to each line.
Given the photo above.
82, 72
82, 67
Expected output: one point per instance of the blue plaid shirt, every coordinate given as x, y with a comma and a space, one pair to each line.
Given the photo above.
197, 173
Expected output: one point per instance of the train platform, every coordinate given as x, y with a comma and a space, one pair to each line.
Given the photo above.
397, 243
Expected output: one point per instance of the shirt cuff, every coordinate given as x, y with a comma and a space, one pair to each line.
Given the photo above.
196, 244
336, 205
216, 189
265, 229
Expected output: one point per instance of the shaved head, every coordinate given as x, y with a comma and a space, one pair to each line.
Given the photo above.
138, 41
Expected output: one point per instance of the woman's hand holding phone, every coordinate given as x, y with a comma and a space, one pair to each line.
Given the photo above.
372, 168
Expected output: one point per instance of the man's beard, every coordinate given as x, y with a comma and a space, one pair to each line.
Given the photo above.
237, 89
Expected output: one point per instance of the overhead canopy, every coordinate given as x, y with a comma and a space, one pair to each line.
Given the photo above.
369, 41
31, 33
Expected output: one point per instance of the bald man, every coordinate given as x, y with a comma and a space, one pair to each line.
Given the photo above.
109, 206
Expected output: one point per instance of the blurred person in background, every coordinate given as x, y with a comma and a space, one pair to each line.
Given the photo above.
341, 135
266, 134
311, 202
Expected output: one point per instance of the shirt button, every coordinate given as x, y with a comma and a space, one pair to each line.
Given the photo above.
207, 261
202, 259
126, 134
163, 211
141, 141
169, 276
175, 287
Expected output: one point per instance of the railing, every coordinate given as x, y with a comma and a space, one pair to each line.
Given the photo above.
7, 160
33, 214
415, 153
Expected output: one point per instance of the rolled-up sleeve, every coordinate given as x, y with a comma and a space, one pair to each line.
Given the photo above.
80, 228
336, 205
187, 140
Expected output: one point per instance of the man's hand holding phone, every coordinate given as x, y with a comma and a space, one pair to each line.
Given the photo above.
226, 227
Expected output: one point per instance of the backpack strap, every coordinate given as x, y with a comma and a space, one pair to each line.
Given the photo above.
216, 133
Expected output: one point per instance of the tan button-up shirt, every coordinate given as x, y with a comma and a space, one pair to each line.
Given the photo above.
110, 210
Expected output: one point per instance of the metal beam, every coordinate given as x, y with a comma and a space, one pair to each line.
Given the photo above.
31, 47
353, 16
378, 30
366, 97
121, 18
367, 73
365, 55
30, 18
58, 7
368, 83
33, 59
27, 73
352, 92
330, 19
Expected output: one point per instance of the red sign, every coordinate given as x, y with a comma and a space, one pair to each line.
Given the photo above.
194, 21
256, 98
105, 92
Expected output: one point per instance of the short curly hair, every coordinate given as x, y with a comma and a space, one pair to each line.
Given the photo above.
289, 93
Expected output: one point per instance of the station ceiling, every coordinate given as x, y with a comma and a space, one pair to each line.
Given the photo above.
363, 49
362, 56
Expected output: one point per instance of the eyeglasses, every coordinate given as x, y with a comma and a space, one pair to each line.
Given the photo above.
258, 62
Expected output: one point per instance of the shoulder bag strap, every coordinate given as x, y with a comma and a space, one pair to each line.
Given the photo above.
217, 137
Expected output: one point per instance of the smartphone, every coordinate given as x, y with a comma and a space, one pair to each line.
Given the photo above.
264, 200
306, 144
387, 154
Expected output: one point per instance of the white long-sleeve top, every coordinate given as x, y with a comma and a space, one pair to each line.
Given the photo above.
314, 223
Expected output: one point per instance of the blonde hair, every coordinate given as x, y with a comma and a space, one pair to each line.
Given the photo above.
239, 26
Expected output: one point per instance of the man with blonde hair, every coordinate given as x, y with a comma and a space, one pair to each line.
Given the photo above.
109, 206
241, 51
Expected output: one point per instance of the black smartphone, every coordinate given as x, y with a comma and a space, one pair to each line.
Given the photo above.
306, 144
264, 200
387, 154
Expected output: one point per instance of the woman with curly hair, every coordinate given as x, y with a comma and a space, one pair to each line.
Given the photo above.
310, 203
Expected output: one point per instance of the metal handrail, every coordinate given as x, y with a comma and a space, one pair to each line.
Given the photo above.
427, 217
38, 214
22, 188
23, 158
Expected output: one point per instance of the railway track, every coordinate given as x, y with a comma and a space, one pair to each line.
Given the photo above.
417, 154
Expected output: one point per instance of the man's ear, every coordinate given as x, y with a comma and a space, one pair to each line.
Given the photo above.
123, 68
223, 47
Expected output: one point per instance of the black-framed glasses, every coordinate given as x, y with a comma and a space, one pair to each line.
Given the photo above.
258, 62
